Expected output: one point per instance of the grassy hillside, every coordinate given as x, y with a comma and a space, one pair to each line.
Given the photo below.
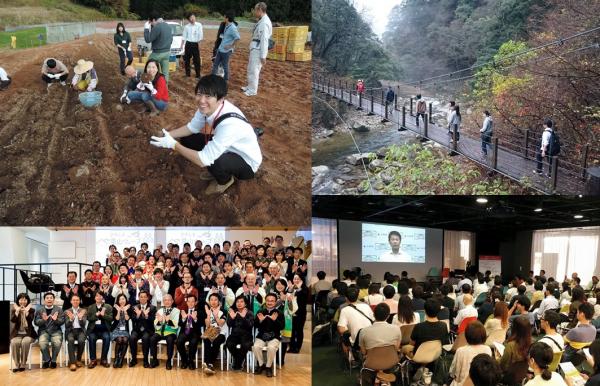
26, 12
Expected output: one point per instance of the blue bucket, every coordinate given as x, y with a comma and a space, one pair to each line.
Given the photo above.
172, 58
90, 99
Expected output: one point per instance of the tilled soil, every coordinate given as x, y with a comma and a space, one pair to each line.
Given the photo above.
63, 164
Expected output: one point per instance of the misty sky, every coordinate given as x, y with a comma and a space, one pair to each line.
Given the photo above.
379, 11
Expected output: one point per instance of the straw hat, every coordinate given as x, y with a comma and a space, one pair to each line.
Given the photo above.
83, 66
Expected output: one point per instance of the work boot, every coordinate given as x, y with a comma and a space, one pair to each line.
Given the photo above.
215, 187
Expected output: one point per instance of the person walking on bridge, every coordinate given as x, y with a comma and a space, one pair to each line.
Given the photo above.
360, 87
550, 146
421, 109
454, 124
486, 133
390, 96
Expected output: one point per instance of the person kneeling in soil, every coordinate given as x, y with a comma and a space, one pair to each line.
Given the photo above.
218, 137
4, 79
152, 89
133, 79
86, 78
53, 70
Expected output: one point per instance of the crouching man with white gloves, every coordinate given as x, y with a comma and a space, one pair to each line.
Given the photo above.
218, 137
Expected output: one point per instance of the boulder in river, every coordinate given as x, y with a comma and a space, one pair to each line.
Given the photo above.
355, 159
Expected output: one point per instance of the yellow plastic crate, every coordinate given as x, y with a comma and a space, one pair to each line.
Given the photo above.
279, 48
144, 59
280, 33
296, 47
298, 32
172, 66
277, 57
299, 57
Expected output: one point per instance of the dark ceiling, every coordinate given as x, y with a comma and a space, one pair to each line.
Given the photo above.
500, 213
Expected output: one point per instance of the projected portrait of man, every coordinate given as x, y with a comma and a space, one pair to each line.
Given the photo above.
396, 254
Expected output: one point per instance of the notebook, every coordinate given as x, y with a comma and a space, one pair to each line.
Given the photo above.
499, 348
570, 371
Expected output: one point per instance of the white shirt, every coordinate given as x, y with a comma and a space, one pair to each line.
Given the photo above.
549, 303
557, 338
260, 36
157, 293
397, 322
466, 280
76, 319
479, 289
467, 312
192, 32
546, 138
391, 257
3, 74
353, 320
556, 380
232, 135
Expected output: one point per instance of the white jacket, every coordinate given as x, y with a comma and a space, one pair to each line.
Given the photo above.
232, 135
261, 34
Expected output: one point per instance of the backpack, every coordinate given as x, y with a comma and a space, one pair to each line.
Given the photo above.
257, 130
421, 106
554, 144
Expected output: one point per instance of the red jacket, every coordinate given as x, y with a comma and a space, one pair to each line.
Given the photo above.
160, 84
360, 87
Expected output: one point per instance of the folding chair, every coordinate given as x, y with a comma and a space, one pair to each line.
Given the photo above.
428, 352
379, 359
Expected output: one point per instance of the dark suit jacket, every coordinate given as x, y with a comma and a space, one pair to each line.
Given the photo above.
69, 323
15, 319
195, 324
143, 323
289, 274
67, 298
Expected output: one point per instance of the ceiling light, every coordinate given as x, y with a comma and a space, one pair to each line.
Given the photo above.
482, 200
578, 216
537, 210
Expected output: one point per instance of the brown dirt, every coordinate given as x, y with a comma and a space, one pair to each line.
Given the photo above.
67, 165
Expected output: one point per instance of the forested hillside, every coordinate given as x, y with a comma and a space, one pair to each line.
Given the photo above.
346, 45
278, 10
432, 37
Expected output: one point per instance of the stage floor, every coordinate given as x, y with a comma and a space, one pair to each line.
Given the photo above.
295, 372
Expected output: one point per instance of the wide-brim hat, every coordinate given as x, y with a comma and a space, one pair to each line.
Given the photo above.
83, 66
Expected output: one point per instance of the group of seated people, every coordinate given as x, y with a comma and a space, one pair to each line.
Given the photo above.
497, 333
245, 297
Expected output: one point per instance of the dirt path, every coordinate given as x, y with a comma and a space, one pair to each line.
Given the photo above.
67, 165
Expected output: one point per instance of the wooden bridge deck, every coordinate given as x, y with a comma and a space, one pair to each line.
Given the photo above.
509, 163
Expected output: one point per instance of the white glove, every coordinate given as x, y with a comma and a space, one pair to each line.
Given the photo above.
166, 142
51, 76
122, 99
90, 89
147, 25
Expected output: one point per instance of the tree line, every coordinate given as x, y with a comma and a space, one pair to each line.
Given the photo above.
278, 10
